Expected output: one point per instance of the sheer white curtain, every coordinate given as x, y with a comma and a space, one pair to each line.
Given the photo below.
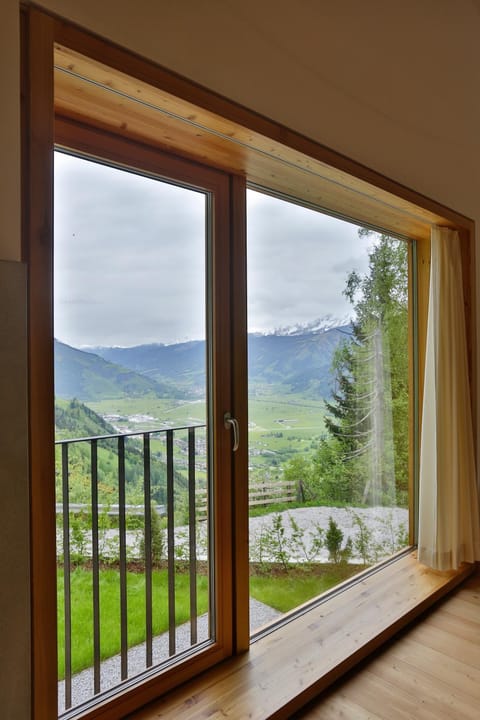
449, 524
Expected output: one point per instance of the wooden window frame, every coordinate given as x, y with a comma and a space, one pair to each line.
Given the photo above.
116, 151
250, 148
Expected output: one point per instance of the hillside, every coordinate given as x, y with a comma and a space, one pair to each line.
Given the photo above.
297, 362
182, 364
73, 419
86, 376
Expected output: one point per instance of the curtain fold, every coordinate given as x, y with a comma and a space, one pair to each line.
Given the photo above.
449, 513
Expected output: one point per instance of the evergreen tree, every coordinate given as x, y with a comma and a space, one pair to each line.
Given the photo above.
364, 457
333, 541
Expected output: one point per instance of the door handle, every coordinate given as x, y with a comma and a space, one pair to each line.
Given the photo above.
231, 422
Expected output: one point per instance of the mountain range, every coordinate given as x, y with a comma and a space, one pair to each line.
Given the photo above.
87, 376
298, 362
301, 363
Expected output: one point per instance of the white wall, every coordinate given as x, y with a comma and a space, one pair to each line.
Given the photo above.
394, 85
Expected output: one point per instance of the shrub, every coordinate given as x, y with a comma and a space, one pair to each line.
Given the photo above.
277, 542
363, 540
157, 538
318, 540
333, 541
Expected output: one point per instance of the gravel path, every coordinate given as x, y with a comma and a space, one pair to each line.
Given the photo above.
82, 683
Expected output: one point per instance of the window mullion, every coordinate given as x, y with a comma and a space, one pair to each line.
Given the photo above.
238, 272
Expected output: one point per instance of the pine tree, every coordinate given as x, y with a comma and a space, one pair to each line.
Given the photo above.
367, 421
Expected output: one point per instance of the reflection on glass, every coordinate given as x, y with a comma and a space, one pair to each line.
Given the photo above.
328, 402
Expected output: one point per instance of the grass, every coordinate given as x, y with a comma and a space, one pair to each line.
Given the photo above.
271, 508
82, 612
282, 590
285, 590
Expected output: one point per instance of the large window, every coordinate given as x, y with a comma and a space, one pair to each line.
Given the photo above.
141, 388
145, 427
135, 435
329, 388
188, 430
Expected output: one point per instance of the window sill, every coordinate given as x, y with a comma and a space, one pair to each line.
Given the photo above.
287, 668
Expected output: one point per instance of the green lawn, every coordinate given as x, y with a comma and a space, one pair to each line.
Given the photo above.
82, 612
287, 590
281, 590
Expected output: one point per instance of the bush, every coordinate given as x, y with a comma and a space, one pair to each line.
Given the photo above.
363, 540
272, 544
78, 537
157, 538
333, 541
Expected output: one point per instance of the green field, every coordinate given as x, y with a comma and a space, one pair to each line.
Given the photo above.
164, 412
279, 425
286, 591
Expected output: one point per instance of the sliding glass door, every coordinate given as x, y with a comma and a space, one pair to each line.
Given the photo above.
142, 383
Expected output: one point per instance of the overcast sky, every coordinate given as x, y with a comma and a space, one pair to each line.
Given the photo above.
129, 259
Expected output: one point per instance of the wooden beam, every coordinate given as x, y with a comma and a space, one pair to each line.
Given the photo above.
38, 244
91, 91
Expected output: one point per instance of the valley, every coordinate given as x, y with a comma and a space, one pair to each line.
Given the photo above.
159, 387
279, 426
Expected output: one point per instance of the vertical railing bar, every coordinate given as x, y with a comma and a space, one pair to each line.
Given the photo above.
67, 602
149, 560
148, 548
123, 560
171, 546
95, 568
192, 536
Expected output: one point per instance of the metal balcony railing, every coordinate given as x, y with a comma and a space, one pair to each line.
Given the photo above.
174, 459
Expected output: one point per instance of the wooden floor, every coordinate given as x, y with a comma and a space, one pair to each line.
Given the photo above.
284, 669
430, 672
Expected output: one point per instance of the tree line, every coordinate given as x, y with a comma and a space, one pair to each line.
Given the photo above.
363, 456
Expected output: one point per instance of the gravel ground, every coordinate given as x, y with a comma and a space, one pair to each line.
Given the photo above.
385, 523
82, 683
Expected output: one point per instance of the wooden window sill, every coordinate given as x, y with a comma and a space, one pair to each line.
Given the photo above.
288, 667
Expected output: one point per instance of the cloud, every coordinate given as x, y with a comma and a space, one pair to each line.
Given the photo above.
132, 248
299, 260
130, 259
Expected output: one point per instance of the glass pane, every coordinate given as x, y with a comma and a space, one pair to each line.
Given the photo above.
328, 402
133, 476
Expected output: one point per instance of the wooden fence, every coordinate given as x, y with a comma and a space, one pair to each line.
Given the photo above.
259, 493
